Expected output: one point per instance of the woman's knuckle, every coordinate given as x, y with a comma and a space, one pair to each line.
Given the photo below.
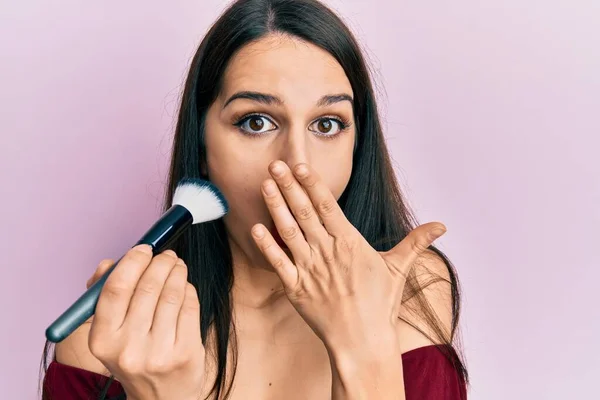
114, 289
170, 253
288, 185
181, 357
346, 245
275, 202
326, 207
265, 246
129, 363
190, 308
98, 347
310, 182
159, 365
343, 246
167, 258
304, 212
418, 247
289, 233
328, 257
278, 263
190, 288
178, 274
171, 296
181, 270
147, 288
139, 257
192, 293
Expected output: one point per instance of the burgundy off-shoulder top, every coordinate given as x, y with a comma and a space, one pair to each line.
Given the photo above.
428, 375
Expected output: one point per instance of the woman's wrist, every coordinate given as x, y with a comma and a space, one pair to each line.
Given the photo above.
362, 343
371, 369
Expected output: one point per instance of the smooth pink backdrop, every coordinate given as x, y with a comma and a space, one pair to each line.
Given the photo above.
492, 114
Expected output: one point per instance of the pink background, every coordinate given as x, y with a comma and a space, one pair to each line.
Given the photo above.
492, 112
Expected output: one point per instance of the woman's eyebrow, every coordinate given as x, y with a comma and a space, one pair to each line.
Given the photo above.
269, 99
263, 98
334, 98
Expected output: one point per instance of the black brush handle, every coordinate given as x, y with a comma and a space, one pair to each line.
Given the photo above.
160, 236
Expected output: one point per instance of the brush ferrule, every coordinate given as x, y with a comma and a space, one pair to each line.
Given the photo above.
167, 229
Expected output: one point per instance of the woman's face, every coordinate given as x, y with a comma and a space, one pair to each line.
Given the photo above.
282, 99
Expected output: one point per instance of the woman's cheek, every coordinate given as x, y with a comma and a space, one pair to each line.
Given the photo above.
244, 195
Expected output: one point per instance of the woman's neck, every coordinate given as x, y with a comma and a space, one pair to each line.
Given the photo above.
255, 285
261, 308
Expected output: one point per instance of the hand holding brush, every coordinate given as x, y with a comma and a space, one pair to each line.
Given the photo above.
146, 325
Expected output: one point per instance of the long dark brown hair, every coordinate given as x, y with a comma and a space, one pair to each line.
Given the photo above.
372, 201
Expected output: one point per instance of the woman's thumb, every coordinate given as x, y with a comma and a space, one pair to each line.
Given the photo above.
100, 270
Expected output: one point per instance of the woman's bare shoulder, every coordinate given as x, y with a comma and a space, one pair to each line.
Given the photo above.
416, 327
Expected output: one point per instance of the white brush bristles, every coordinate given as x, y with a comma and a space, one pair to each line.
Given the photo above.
201, 198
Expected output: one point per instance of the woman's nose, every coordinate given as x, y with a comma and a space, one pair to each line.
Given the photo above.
295, 149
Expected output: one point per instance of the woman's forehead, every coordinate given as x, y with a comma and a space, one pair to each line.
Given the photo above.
286, 67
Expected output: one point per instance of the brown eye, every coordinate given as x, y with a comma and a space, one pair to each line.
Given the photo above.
326, 127
256, 124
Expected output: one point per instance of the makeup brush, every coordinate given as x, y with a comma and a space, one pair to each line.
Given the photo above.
195, 201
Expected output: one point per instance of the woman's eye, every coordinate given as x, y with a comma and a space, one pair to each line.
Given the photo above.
326, 126
256, 124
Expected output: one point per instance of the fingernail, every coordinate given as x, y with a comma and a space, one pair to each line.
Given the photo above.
258, 232
270, 188
436, 233
277, 169
144, 248
301, 170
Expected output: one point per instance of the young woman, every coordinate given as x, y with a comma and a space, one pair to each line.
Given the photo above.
317, 284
